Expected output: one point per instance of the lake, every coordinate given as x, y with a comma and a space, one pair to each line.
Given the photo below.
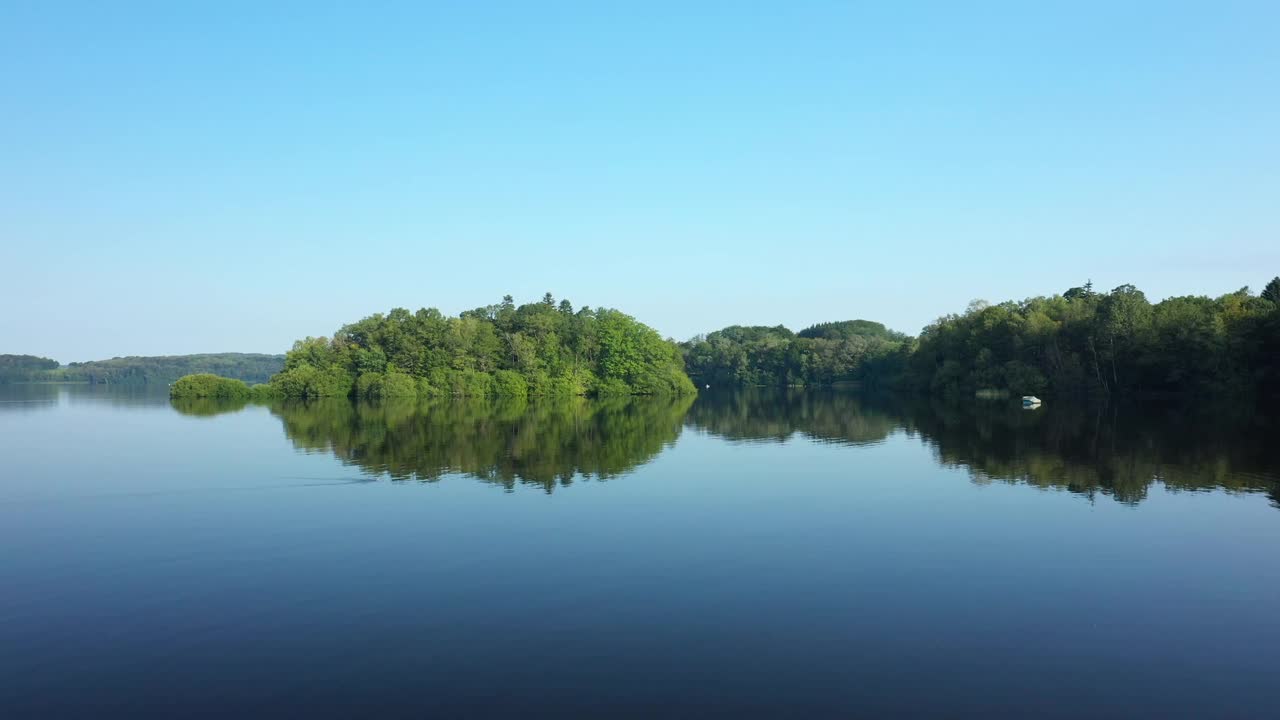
798, 554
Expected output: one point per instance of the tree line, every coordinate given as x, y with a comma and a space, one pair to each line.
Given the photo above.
249, 367
824, 354
1116, 342
1081, 340
24, 368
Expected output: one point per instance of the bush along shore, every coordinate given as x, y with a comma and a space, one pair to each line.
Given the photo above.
209, 386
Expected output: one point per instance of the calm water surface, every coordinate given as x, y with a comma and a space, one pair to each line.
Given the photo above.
751, 554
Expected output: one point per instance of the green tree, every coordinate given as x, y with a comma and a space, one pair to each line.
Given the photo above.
1272, 291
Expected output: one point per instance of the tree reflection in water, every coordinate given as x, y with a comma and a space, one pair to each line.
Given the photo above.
1115, 449
541, 442
1118, 449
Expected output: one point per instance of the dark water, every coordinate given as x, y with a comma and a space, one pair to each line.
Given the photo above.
753, 554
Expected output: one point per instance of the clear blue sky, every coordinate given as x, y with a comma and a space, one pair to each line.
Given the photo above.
197, 177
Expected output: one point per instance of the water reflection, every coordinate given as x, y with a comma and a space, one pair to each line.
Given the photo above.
25, 397
546, 443
28, 397
1116, 450
778, 415
208, 407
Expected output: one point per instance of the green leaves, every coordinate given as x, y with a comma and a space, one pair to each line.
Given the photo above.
205, 385
823, 354
1117, 342
539, 348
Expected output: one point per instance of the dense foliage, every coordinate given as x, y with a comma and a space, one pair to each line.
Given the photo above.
539, 349
1116, 342
205, 385
249, 367
1079, 341
825, 354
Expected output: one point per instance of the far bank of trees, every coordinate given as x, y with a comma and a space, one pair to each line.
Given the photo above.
24, 368
825, 354
1112, 342
158, 370
1082, 341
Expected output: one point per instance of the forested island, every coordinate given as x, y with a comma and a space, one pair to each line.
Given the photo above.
160, 370
543, 348
1080, 341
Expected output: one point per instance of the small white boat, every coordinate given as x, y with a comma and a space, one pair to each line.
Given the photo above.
1030, 401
